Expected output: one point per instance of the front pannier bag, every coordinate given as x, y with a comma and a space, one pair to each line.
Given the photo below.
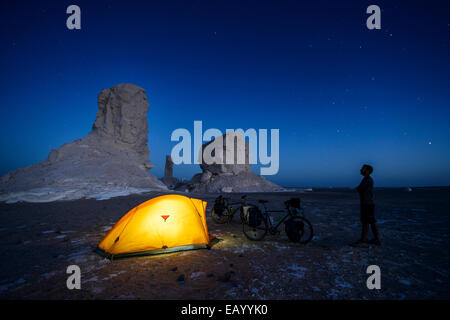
254, 217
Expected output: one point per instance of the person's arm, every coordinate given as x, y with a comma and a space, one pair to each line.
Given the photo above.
362, 186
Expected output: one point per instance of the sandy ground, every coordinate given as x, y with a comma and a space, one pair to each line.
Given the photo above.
39, 241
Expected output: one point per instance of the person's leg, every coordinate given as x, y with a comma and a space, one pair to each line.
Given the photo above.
374, 228
362, 242
365, 229
373, 224
365, 226
376, 236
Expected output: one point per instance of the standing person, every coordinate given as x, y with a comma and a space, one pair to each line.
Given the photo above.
365, 190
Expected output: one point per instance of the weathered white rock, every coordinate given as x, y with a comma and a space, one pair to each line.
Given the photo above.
221, 176
113, 159
238, 152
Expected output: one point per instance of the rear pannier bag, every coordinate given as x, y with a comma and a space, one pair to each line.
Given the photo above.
219, 209
254, 217
294, 229
219, 206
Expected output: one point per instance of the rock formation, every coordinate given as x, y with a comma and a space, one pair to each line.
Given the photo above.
169, 180
220, 176
113, 159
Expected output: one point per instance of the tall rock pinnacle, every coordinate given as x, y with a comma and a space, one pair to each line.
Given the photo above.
112, 159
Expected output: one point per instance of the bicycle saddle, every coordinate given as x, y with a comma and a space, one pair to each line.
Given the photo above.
263, 201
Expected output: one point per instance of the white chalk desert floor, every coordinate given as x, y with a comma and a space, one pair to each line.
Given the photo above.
39, 240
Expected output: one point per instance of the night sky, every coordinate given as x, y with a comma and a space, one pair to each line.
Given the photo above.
341, 95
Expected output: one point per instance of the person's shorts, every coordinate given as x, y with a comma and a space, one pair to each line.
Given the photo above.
368, 213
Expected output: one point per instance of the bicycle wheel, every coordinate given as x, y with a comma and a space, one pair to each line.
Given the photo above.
299, 229
220, 217
255, 233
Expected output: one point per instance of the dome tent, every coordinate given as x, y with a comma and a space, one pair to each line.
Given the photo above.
163, 224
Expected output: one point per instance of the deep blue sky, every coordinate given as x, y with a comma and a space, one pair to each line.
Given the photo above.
341, 95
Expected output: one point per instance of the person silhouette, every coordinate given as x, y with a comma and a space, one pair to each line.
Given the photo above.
367, 207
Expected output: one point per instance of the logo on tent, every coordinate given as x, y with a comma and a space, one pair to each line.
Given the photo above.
165, 218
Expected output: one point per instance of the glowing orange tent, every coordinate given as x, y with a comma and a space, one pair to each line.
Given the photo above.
163, 224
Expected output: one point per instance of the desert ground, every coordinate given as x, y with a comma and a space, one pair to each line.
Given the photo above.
38, 241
